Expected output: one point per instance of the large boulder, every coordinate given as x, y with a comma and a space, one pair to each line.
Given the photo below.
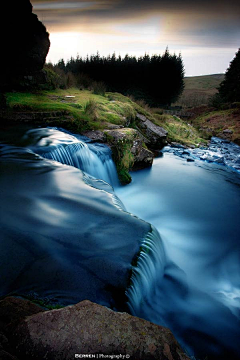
87, 328
142, 156
155, 134
24, 42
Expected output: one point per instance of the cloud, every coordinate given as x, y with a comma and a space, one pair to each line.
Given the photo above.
63, 5
139, 26
121, 8
75, 12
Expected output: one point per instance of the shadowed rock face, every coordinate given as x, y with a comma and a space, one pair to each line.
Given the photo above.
24, 41
12, 312
88, 328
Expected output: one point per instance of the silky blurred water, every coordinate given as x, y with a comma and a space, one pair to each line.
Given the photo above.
196, 208
66, 235
74, 150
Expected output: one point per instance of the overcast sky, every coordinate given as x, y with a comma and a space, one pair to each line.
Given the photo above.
207, 32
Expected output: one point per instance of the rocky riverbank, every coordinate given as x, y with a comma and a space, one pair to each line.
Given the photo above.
220, 151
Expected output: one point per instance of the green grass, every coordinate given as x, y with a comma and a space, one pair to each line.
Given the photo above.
88, 111
85, 109
39, 102
179, 131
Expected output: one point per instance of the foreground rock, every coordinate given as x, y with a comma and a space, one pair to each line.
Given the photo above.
88, 328
155, 135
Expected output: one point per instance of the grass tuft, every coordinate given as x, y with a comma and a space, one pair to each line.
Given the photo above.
91, 109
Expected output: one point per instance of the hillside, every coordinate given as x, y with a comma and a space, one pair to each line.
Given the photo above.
206, 83
199, 89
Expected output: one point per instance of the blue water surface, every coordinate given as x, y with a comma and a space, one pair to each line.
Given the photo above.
196, 208
66, 235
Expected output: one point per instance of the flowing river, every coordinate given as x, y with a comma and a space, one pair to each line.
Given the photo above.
167, 244
196, 208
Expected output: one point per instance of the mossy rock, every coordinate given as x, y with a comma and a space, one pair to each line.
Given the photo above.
124, 177
128, 150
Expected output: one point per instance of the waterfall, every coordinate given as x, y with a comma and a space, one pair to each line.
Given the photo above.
80, 156
147, 270
94, 159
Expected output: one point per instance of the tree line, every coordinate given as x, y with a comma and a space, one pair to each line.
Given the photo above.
157, 79
229, 89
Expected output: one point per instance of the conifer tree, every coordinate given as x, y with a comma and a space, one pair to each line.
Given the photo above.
229, 89
156, 79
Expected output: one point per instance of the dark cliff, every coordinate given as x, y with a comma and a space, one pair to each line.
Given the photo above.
24, 42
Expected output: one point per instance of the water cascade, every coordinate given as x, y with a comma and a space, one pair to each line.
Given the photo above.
147, 271
94, 159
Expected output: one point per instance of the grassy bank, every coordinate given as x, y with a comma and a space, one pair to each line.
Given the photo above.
81, 110
87, 111
84, 110
179, 130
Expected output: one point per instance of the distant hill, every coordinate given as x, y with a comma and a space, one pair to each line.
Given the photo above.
199, 89
204, 82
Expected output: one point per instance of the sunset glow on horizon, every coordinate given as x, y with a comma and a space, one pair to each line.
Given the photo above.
207, 37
